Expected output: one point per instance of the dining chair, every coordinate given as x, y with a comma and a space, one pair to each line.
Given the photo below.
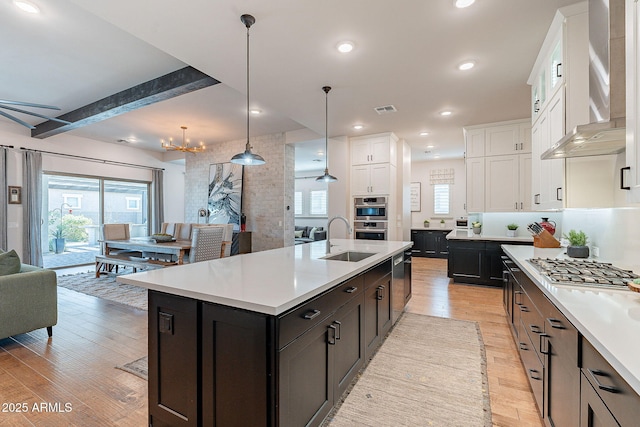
206, 243
117, 232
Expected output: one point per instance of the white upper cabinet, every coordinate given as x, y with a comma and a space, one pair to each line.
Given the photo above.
631, 177
508, 183
475, 184
497, 139
369, 149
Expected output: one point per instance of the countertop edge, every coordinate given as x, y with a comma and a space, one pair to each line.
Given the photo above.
611, 358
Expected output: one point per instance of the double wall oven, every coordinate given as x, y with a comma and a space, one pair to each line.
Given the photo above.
370, 218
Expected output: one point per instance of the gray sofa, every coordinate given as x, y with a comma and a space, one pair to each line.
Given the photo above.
28, 301
305, 237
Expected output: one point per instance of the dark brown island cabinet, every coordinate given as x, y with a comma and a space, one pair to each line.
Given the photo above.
430, 243
572, 383
214, 365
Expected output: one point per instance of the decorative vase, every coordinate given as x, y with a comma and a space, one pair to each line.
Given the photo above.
578, 251
58, 245
477, 230
426, 225
511, 233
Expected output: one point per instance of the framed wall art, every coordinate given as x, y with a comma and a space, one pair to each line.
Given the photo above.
224, 203
415, 196
15, 195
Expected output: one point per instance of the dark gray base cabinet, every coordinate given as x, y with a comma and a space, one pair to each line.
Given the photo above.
213, 365
430, 243
477, 261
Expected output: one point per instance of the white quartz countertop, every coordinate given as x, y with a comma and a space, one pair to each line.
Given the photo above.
469, 235
269, 282
608, 319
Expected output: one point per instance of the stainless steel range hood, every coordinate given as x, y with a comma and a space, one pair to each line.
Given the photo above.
606, 132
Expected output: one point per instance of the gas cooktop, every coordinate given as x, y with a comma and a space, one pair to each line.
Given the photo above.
583, 273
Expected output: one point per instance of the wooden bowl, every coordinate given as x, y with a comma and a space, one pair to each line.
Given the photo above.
635, 287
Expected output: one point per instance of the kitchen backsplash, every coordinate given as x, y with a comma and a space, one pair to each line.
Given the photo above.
495, 223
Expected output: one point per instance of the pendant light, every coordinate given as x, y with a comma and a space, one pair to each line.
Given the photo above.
248, 158
326, 177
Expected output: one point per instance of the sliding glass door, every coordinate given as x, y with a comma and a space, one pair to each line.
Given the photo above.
75, 207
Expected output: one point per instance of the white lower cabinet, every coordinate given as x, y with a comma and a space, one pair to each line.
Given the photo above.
370, 179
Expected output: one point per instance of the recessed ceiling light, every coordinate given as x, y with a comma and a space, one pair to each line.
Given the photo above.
436, 156
424, 133
467, 65
358, 127
320, 153
255, 111
26, 6
464, 3
429, 146
445, 113
345, 46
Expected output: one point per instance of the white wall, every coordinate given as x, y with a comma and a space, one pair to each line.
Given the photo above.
19, 136
420, 172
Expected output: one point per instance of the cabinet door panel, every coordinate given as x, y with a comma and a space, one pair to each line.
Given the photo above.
360, 180
525, 182
306, 378
475, 184
371, 328
593, 412
430, 243
349, 349
360, 153
380, 178
465, 263
504, 139
502, 173
417, 237
385, 307
474, 143
380, 150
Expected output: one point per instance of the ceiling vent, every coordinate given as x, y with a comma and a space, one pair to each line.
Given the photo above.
386, 109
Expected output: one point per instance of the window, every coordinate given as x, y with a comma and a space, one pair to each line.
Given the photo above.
441, 199
297, 203
318, 202
133, 203
73, 201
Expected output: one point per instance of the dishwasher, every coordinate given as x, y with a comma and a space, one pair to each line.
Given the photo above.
401, 277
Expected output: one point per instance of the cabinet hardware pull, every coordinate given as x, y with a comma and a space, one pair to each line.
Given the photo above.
536, 199
544, 338
524, 308
555, 323
523, 346
534, 373
338, 330
535, 329
521, 206
311, 314
515, 298
380, 294
558, 69
516, 146
536, 106
351, 289
516, 205
332, 340
622, 186
522, 146
558, 197
595, 373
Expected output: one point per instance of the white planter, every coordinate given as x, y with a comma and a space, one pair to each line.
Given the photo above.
442, 224
477, 230
511, 233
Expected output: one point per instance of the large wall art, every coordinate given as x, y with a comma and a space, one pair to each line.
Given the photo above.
225, 194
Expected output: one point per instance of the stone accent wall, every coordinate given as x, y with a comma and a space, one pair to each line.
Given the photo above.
267, 189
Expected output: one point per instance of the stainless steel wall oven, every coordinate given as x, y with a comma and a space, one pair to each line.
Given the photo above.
370, 230
370, 208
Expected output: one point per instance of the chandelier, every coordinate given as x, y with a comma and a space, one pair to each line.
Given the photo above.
185, 147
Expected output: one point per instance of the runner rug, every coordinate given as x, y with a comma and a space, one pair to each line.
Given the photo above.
430, 371
105, 287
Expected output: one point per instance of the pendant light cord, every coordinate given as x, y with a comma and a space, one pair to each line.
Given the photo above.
248, 109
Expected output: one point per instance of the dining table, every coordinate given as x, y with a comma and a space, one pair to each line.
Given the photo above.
179, 248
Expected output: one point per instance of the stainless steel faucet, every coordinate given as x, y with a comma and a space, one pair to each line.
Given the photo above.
346, 221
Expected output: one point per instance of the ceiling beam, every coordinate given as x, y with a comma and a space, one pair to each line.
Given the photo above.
162, 88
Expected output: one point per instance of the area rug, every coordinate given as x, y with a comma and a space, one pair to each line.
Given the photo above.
139, 368
430, 371
105, 287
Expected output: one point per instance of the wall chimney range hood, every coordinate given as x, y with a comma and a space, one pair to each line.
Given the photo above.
606, 133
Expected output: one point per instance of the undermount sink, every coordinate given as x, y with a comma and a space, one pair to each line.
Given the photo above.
350, 256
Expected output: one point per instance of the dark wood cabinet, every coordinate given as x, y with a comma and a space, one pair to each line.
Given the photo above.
477, 261
430, 243
214, 365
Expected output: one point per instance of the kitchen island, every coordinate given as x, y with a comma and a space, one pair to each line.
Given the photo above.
267, 338
585, 340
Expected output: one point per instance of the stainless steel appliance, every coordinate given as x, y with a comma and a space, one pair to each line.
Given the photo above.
583, 273
397, 297
370, 208
370, 230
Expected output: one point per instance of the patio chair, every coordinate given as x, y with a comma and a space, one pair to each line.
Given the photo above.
206, 244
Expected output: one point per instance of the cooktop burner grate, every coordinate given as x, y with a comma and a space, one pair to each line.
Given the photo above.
583, 272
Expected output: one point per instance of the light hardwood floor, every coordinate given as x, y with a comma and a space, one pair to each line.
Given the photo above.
76, 366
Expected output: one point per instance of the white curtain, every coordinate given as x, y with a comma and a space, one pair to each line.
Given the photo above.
3, 199
32, 208
157, 214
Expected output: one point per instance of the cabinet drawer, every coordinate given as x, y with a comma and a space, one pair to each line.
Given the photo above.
562, 334
377, 273
617, 395
533, 367
532, 322
296, 322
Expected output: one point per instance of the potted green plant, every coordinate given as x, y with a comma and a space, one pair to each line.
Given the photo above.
442, 223
426, 223
511, 229
57, 232
577, 244
476, 227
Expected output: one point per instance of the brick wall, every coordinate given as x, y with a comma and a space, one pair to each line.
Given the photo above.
267, 189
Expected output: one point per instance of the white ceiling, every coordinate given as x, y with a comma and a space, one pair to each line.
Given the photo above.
78, 51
